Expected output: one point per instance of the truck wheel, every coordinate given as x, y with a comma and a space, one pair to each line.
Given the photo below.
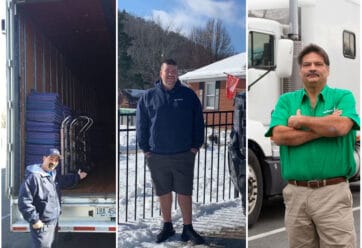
255, 188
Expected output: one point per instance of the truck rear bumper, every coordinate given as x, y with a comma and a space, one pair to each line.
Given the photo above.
78, 215
71, 226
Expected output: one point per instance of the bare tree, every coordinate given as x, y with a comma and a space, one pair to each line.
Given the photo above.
152, 42
215, 39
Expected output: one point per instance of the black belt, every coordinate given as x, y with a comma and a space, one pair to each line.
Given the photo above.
318, 183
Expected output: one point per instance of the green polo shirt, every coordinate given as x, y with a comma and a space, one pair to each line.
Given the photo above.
324, 157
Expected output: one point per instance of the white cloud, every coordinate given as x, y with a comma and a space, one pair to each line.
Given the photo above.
213, 9
175, 20
187, 14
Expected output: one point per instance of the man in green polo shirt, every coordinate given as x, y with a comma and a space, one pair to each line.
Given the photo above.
315, 128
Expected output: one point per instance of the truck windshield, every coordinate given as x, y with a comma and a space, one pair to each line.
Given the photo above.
261, 50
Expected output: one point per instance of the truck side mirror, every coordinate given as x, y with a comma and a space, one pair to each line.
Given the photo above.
284, 58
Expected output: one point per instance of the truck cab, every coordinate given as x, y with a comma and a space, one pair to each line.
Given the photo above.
269, 61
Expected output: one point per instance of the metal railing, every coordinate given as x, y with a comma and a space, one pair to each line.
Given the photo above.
212, 182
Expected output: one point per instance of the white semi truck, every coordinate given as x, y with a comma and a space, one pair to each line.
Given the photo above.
65, 48
277, 31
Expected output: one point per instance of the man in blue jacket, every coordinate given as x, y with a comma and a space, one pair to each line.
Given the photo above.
170, 130
39, 197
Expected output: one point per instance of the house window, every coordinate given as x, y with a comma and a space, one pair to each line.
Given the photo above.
261, 50
211, 95
349, 45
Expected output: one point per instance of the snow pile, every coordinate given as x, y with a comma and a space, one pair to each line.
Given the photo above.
206, 219
127, 139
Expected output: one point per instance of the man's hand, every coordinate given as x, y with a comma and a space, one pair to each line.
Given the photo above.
82, 174
147, 154
289, 136
294, 121
332, 125
38, 225
337, 112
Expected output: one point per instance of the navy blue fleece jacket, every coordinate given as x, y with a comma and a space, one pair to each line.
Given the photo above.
39, 195
169, 121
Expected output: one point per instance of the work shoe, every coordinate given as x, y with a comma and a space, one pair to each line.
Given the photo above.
166, 232
188, 233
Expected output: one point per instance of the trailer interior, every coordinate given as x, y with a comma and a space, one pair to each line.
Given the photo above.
68, 47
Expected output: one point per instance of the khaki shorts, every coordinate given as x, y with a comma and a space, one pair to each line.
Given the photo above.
173, 172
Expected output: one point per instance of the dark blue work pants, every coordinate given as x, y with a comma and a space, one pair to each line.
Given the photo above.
44, 237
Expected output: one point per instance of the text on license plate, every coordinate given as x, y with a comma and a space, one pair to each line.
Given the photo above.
105, 212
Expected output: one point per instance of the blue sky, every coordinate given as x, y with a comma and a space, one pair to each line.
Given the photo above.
186, 14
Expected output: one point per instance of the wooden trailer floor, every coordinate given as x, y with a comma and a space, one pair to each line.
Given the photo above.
102, 179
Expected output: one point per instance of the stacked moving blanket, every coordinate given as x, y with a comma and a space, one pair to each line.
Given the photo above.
44, 114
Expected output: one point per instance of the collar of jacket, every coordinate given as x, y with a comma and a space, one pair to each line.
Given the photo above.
37, 169
174, 89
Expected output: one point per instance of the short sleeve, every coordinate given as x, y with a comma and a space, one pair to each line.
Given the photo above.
347, 104
280, 115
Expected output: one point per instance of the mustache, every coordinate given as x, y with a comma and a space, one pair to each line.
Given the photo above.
52, 165
312, 74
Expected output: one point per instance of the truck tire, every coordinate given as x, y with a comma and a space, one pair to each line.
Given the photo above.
255, 188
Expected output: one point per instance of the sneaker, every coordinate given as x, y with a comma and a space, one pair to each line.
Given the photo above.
188, 233
166, 232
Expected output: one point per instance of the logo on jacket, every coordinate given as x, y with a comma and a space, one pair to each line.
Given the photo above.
329, 111
176, 101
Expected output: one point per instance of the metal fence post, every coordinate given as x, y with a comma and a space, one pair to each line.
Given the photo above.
205, 161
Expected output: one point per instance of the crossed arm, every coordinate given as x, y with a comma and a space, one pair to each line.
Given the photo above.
302, 129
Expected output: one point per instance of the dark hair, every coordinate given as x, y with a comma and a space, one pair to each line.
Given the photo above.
316, 49
169, 62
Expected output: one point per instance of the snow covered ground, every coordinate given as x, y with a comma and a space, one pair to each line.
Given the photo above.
213, 200
208, 219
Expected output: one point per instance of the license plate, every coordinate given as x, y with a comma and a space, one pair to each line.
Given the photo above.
105, 212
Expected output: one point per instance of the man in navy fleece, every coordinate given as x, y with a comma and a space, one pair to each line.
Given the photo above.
39, 197
170, 130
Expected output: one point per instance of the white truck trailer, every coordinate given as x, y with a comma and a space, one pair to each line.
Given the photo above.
67, 48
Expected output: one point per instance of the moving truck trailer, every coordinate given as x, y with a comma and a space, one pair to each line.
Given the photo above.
66, 48
277, 32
